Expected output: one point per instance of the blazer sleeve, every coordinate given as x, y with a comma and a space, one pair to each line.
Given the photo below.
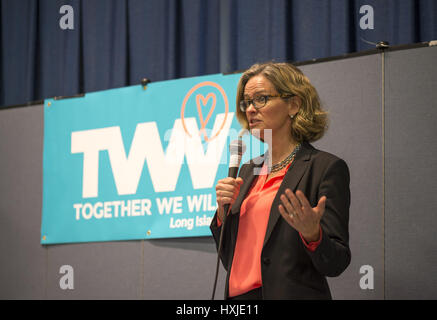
216, 230
333, 255
229, 234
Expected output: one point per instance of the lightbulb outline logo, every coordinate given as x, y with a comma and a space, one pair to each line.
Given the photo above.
200, 98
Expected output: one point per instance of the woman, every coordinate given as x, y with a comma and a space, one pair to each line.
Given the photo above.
287, 229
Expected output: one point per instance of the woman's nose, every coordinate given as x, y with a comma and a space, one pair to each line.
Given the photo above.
250, 108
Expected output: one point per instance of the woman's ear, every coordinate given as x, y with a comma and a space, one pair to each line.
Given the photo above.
294, 105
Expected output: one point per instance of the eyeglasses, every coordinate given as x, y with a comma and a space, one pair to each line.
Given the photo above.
259, 101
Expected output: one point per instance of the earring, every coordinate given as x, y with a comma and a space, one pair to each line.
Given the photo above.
291, 116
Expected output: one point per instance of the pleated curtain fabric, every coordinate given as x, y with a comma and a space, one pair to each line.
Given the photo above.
116, 43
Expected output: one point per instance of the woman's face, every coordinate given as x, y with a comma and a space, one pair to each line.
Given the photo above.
275, 115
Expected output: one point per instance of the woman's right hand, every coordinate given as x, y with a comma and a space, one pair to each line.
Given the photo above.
227, 191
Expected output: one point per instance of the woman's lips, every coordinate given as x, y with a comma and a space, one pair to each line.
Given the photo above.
254, 122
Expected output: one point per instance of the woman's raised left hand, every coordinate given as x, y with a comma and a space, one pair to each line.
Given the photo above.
299, 214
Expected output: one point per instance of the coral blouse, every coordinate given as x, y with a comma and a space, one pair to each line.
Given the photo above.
254, 215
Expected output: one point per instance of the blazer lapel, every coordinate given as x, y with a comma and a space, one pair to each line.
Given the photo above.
291, 180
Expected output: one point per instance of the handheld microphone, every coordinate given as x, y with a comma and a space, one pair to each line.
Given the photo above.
236, 150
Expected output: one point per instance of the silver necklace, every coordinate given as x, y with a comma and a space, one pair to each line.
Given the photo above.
279, 166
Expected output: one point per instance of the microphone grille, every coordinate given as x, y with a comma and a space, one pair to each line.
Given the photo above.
237, 147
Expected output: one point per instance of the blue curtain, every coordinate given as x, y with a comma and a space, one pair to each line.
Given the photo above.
116, 43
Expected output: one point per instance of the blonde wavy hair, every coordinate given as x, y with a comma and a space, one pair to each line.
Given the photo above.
311, 122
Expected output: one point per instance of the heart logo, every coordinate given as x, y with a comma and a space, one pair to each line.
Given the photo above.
202, 104
201, 100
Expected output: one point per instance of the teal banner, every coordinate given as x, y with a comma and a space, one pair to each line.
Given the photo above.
137, 163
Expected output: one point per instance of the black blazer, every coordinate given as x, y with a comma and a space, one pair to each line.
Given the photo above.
288, 269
